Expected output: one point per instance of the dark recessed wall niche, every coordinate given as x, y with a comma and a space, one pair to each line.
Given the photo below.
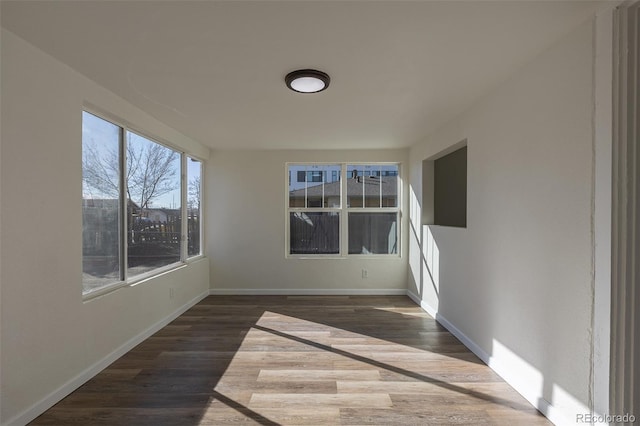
444, 187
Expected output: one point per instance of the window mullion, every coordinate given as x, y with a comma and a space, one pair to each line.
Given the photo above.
201, 207
380, 186
323, 180
364, 198
306, 184
344, 227
124, 206
183, 209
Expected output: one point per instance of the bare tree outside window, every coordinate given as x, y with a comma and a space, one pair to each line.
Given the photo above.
100, 168
152, 188
194, 194
154, 216
150, 173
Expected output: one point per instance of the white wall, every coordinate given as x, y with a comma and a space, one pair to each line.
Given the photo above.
516, 285
51, 339
246, 192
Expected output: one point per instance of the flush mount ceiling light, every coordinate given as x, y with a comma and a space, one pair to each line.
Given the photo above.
307, 81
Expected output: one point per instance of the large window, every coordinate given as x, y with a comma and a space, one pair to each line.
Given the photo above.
133, 204
321, 221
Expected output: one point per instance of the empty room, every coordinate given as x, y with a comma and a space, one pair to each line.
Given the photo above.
319, 212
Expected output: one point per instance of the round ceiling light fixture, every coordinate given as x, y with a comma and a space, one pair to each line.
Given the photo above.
307, 81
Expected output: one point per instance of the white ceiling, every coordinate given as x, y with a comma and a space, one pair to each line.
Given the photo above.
215, 70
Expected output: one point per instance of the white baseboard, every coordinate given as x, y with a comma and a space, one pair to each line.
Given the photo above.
424, 305
470, 344
524, 378
54, 397
307, 292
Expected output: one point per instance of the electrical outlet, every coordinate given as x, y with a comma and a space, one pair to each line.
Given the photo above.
365, 273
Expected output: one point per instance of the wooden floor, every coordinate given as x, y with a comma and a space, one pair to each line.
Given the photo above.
301, 361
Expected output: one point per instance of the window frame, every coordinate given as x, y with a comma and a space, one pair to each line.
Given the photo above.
124, 279
188, 259
135, 279
305, 209
122, 225
364, 209
344, 210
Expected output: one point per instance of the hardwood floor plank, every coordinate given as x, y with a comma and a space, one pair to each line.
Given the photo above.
317, 375
292, 386
286, 400
301, 416
500, 395
418, 417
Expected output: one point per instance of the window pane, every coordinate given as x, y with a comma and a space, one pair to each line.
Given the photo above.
373, 233
389, 185
372, 185
363, 186
153, 210
355, 186
194, 176
314, 232
316, 186
100, 203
